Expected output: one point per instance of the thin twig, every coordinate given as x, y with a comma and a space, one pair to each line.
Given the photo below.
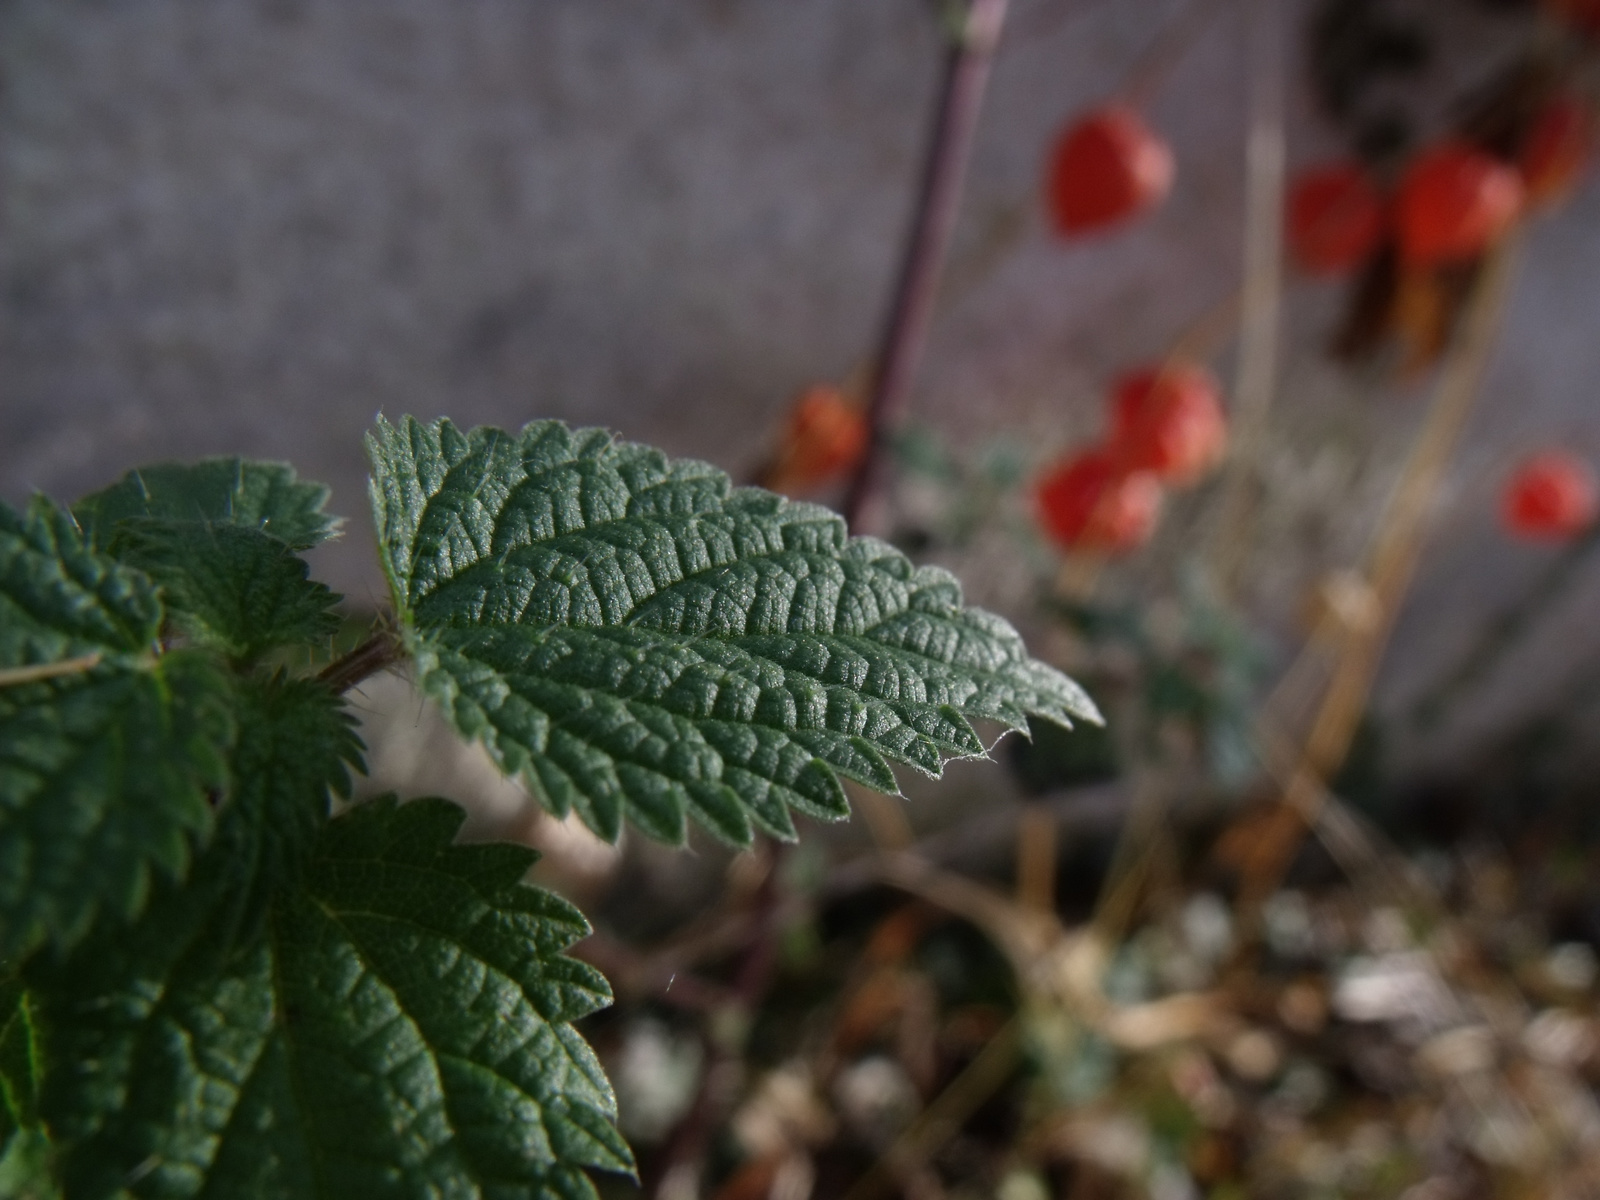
1095, 809
939, 199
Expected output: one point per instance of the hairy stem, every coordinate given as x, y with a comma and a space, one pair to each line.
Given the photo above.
379, 652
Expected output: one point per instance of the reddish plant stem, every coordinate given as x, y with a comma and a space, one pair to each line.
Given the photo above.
905, 332
966, 77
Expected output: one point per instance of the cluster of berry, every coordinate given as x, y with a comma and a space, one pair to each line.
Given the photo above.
1451, 203
1167, 430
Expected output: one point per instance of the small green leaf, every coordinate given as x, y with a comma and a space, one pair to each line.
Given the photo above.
109, 758
263, 496
644, 640
59, 600
229, 586
404, 1030
105, 776
296, 747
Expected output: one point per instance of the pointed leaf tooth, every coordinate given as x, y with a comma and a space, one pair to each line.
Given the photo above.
767, 802
818, 793
717, 807
853, 757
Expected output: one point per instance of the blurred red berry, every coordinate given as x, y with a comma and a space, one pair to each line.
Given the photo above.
1556, 149
824, 437
1336, 217
1168, 420
1105, 168
1552, 495
1089, 501
1455, 201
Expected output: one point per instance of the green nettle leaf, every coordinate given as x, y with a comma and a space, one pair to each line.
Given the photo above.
642, 639
216, 491
403, 1030
60, 600
229, 586
107, 768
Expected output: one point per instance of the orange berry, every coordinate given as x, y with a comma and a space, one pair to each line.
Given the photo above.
824, 437
1168, 420
1089, 502
1455, 201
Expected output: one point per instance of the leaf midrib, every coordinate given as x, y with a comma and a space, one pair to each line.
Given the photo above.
688, 642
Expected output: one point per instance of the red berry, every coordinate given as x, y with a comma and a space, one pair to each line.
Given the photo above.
1455, 201
1089, 502
1336, 216
824, 437
1105, 168
1168, 420
1556, 149
1552, 495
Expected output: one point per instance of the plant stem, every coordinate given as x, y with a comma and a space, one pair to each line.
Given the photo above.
939, 199
378, 652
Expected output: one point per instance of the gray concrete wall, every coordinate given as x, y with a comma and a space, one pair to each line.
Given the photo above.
249, 225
